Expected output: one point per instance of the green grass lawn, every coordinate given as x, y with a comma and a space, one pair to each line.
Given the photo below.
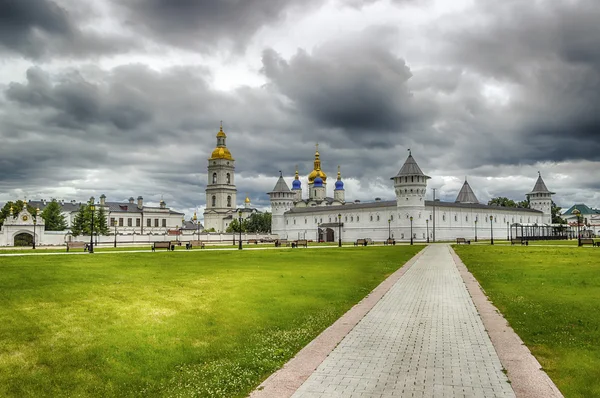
205, 323
551, 297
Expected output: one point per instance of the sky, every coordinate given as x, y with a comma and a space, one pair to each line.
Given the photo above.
124, 97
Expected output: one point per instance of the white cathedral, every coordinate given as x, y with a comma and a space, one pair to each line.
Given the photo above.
318, 217
323, 218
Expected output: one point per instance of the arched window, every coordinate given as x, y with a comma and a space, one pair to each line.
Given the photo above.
228, 178
377, 218
412, 179
444, 217
455, 217
392, 217
214, 178
228, 201
357, 218
214, 201
351, 218
371, 218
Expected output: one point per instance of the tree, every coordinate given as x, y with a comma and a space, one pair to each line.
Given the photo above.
556, 218
234, 226
100, 223
83, 220
16, 209
210, 230
260, 223
78, 226
502, 201
53, 217
524, 203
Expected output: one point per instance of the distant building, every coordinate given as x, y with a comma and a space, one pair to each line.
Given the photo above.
130, 217
323, 218
589, 218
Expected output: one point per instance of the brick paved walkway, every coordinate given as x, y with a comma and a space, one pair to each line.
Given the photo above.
423, 339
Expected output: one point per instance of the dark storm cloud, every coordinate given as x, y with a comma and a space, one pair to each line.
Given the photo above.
355, 85
41, 29
204, 24
548, 54
78, 103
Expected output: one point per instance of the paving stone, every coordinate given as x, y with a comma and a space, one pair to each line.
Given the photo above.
424, 338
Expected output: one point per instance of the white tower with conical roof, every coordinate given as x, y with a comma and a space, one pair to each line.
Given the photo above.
541, 199
411, 185
220, 191
282, 200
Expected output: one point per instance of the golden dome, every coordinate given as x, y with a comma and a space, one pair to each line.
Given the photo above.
221, 153
317, 172
247, 200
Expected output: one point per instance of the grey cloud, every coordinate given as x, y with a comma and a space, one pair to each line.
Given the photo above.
548, 56
40, 29
205, 24
355, 84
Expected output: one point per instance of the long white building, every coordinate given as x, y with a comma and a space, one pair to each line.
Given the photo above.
318, 217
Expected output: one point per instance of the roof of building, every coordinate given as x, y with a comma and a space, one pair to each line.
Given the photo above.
410, 168
190, 225
540, 186
281, 186
466, 194
113, 207
583, 209
392, 203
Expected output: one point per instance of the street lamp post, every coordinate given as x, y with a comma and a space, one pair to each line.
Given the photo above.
240, 220
427, 225
577, 214
34, 224
475, 229
340, 230
492, 229
507, 231
93, 210
389, 229
115, 225
434, 216
411, 234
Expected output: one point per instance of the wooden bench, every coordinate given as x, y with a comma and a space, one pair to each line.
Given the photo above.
300, 242
163, 245
523, 242
194, 243
360, 242
255, 241
389, 242
281, 242
587, 241
77, 245
463, 241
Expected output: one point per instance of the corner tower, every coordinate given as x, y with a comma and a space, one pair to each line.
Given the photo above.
410, 184
541, 199
220, 191
282, 200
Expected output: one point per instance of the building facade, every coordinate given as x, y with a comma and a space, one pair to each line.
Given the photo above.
409, 215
